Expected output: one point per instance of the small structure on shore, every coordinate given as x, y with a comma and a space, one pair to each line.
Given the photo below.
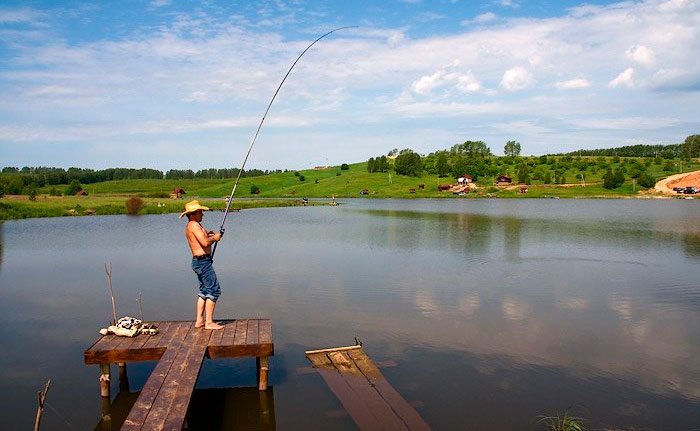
177, 193
504, 180
465, 179
81, 192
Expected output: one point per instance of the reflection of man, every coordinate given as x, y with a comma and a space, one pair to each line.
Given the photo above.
200, 242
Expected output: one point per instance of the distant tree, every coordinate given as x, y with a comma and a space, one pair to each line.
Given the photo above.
548, 177
32, 194
54, 192
668, 166
2, 190
73, 188
371, 165
254, 190
393, 152
646, 180
523, 174
302, 178
441, 165
133, 205
471, 148
296, 173
543, 160
691, 146
667, 154
344, 167
658, 160
512, 149
459, 166
613, 180
408, 163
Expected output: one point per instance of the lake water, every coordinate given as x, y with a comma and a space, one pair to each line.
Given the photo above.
494, 311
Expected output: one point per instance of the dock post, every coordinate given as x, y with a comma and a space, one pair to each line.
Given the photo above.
123, 378
262, 364
105, 378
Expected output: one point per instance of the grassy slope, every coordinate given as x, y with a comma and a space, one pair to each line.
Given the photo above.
109, 197
350, 182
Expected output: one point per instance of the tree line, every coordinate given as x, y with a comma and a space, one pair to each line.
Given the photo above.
213, 173
689, 148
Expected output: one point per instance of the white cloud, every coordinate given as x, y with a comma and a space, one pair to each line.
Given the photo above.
24, 15
572, 84
160, 3
624, 79
448, 76
516, 79
508, 3
640, 54
480, 19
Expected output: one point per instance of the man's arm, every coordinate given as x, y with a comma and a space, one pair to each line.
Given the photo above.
204, 239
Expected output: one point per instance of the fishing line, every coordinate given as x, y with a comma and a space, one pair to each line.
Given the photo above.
252, 142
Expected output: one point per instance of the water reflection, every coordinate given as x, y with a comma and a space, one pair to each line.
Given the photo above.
2, 245
220, 409
495, 311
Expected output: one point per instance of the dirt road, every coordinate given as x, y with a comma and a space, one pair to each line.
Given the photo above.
680, 180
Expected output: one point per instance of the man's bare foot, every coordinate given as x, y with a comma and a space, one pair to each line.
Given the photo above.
213, 325
198, 324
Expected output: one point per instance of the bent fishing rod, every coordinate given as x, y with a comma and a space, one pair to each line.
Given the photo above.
255, 136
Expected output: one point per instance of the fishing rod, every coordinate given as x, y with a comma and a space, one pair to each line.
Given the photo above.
252, 142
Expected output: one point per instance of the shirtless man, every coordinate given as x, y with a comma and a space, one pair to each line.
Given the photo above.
200, 242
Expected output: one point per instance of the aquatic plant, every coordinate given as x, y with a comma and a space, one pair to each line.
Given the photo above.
562, 423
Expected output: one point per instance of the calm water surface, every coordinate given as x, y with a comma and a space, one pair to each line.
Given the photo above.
494, 312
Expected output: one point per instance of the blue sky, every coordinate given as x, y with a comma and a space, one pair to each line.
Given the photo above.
169, 84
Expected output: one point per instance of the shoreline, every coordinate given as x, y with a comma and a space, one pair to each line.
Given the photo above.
20, 207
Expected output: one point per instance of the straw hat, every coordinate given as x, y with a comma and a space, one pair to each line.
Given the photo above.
193, 206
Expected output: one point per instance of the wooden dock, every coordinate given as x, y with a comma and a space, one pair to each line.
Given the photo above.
366, 395
180, 349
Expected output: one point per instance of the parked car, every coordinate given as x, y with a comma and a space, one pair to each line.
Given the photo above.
690, 190
679, 189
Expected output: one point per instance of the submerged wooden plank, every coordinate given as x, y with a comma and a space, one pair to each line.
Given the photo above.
364, 392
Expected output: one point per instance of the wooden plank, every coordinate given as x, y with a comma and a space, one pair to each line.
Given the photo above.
334, 349
376, 405
241, 330
364, 392
265, 331
178, 412
163, 330
252, 332
229, 333
218, 335
407, 413
180, 380
139, 411
240, 351
351, 401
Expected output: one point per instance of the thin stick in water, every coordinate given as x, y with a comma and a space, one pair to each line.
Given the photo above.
140, 300
41, 397
108, 270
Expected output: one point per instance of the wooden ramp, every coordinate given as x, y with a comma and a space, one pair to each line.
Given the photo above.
366, 395
179, 348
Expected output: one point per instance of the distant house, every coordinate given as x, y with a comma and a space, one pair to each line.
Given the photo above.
504, 180
465, 179
321, 168
81, 192
177, 193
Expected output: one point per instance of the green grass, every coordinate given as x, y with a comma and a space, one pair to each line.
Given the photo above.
11, 208
109, 197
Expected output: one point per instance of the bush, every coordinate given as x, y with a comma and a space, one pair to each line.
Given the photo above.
2, 190
73, 188
646, 180
296, 173
133, 205
337, 174
254, 190
54, 192
302, 178
344, 167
